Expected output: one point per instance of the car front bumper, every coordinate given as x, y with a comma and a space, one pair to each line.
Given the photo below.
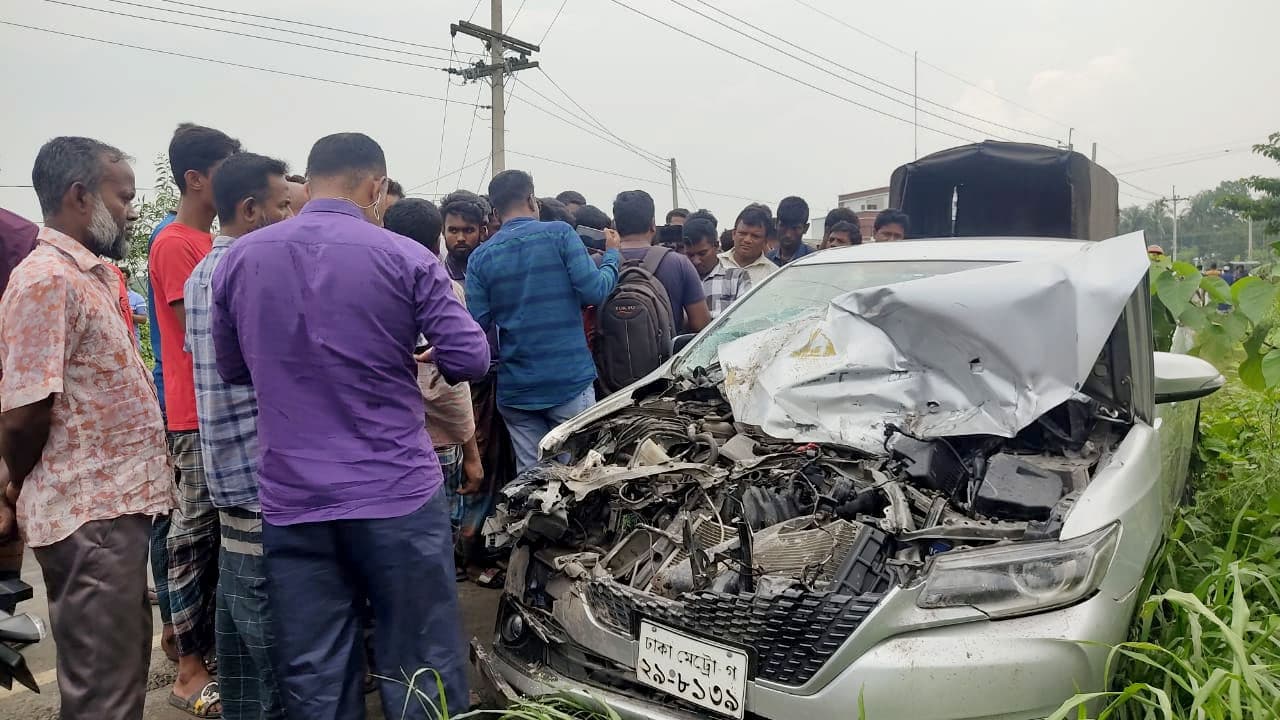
1015, 669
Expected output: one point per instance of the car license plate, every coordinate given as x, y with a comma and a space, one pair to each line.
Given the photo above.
705, 673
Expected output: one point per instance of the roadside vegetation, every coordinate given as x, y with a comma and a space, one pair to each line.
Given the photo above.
1206, 641
1205, 644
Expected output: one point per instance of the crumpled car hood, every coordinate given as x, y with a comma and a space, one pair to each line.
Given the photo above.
979, 352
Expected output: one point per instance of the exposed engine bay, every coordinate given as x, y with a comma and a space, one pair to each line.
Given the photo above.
670, 509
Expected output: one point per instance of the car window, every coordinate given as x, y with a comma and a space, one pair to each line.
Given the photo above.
798, 290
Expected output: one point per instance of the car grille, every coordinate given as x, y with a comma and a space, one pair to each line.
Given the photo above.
792, 634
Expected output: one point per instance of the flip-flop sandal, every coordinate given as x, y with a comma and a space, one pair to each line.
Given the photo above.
206, 703
492, 578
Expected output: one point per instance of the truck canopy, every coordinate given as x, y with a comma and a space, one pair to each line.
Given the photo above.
1007, 189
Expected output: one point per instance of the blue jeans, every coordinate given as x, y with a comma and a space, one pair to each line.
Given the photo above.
319, 575
527, 427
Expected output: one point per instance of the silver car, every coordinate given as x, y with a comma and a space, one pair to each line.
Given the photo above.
673, 561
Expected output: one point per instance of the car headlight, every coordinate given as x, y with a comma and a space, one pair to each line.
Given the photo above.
1022, 578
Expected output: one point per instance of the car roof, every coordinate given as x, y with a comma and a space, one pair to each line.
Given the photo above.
1003, 249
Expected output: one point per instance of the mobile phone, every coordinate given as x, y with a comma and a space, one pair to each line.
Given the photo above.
670, 235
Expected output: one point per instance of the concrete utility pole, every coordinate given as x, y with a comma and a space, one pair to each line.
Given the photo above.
1094, 155
915, 104
498, 142
1249, 257
1175, 199
675, 193
498, 68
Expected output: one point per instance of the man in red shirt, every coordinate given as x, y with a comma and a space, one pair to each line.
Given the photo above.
195, 152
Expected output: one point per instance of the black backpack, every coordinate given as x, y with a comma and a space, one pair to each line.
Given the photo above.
634, 324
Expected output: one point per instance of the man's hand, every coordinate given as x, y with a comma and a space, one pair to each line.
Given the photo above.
8, 512
426, 356
473, 470
8, 522
612, 240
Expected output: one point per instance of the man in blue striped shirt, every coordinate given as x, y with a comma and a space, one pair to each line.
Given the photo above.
251, 192
531, 279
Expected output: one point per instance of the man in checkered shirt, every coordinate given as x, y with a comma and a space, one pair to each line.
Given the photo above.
721, 283
251, 192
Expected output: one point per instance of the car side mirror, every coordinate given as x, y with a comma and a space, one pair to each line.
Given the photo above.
1184, 377
679, 342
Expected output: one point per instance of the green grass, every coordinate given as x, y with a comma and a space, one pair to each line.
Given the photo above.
1206, 642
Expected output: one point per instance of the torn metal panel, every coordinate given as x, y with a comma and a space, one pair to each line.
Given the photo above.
978, 352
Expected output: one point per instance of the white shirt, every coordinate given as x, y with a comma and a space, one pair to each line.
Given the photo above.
758, 270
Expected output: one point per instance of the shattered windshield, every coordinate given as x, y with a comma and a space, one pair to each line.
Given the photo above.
801, 290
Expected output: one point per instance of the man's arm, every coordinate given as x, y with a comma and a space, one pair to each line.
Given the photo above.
228, 357
179, 309
472, 467
477, 295
697, 316
696, 312
171, 264
591, 284
40, 319
458, 345
25, 431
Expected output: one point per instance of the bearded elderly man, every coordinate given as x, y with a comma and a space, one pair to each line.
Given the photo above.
82, 432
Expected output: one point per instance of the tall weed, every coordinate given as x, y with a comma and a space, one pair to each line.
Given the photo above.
1206, 643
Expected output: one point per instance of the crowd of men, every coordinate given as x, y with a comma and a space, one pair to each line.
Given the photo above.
336, 399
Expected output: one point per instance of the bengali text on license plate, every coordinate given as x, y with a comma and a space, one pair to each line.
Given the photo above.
707, 674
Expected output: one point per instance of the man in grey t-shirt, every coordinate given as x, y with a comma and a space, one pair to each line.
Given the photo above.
633, 218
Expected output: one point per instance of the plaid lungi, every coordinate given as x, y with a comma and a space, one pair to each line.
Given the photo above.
246, 678
192, 549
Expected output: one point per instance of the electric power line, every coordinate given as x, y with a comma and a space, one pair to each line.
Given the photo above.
512, 22
685, 186
584, 128
307, 24
251, 35
788, 76
554, 18
229, 63
475, 113
1210, 156
444, 123
1140, 188
16, 186
438, 178
1233, 145
846, 68
566, 163
595, 119
653, 181
942, 70
286, 30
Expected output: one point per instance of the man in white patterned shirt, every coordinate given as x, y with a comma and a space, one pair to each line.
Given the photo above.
721, 283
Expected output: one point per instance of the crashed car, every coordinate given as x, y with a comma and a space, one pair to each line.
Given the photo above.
920, 478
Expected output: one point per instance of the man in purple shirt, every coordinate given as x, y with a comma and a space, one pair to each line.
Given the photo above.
321, 314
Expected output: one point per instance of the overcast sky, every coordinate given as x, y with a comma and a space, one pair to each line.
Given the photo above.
1154, 82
